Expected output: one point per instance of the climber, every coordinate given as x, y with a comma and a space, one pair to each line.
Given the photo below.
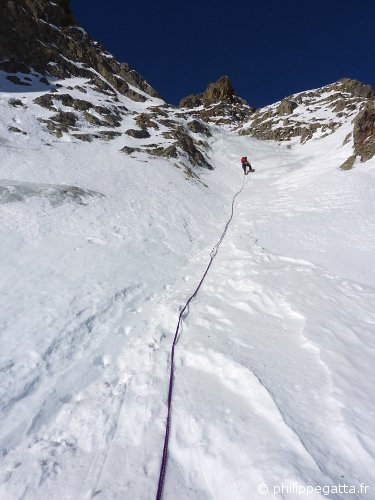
246, 164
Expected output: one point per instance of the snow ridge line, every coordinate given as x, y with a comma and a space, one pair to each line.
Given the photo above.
213, 254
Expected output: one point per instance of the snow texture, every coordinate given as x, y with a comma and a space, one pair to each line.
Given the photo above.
274, 378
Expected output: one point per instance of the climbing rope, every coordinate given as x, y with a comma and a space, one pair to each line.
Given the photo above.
180, 318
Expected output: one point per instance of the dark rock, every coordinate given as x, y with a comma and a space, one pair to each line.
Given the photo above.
81, 89
46, 31
186, 144
112, 121
144, 121
347, 138
168, 122
364, 132
111, 116
128, 150
77, 104
109, 134
219, 104
103, 134
11, 66
17, 81
286, 107
16, 130
138, 134
46, 101
85, 137
348, 164
339, 105
309, 131
93, 120
357, 88
159, 111
219, 91
198, 127
169, 152
65, 118
191, 101
60, 122
15, 102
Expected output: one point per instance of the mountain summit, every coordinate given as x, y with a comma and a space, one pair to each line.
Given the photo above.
220, 91
219, 104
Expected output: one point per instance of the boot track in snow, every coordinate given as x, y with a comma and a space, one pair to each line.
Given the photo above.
213, 254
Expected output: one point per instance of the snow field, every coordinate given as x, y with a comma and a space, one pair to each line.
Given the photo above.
276, 354
274, 365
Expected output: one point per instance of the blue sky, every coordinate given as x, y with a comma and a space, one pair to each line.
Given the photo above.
269, 49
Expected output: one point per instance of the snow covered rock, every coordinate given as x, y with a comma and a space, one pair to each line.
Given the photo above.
364, 132
219, 104
49, 41
12, 191
81, 91
317, 113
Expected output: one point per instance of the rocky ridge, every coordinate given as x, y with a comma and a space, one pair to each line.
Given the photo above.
75, 88
42, 36
318, 113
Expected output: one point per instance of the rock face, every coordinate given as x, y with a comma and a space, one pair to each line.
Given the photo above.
356, 88
364, 132
48, 40
138, 134
198, 128
316, 113
286, 107
219, 91
219, 104
83, 91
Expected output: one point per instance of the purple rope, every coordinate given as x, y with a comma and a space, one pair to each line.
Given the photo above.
167, 427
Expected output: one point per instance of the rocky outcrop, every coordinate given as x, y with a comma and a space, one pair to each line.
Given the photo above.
48, 41
63, 121
348, 164
43, 48
197, 127
286, 107
181, 145
185, 143
219, 91
355, 87
364, 132
219, 104
138, 134
17, 130
316, 113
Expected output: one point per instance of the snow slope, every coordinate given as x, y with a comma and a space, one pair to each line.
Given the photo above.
274, 378
275, 370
